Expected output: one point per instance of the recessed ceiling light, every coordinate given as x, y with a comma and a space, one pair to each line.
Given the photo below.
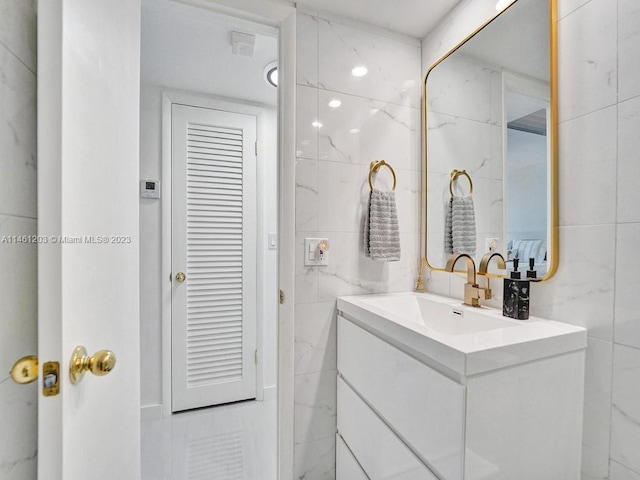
317, 124
373, 111
335, 103
354, 130
271, 74
359, 71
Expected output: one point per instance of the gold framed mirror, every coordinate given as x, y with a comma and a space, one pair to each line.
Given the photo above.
490, 142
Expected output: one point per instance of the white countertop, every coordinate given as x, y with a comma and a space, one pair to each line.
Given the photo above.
467, 342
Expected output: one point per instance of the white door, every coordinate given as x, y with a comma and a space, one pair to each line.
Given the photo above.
213, 306
88, 274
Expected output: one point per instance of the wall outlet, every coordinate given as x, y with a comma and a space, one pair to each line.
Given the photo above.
491, 244
316, 252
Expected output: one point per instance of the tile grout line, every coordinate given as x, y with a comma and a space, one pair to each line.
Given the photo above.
317, 200
582, 115
632, 470
18, 58
339, 162
625, 345
25, 217
575, 10
324, 89
615, 246
362, 97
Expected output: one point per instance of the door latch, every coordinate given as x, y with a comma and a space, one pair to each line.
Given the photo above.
51, 379
25, 371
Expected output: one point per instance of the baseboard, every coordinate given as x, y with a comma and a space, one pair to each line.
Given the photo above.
150, 412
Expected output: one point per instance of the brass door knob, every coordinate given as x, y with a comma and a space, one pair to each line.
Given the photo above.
100, 363
180, 277
25, 370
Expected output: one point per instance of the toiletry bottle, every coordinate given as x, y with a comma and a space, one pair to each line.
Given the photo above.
516, 295
531, 273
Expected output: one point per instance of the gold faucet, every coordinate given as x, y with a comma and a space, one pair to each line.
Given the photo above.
471, 289
419, 282
484, 266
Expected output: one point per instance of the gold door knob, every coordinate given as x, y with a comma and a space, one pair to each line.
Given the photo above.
100, 363
180, 277
25, 370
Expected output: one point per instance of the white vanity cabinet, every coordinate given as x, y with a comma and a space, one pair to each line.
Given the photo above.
403, 416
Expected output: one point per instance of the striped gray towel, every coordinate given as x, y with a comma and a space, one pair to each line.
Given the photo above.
381, 230
448, 229
460, 228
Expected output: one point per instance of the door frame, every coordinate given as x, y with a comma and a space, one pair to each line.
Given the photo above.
169, 98
284, 20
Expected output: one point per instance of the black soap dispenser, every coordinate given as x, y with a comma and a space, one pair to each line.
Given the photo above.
531, 273
515, 302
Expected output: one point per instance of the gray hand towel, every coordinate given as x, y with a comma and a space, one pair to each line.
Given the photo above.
448, 228
463, 225
381, 230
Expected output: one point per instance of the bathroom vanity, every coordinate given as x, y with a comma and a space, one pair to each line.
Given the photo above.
431, 389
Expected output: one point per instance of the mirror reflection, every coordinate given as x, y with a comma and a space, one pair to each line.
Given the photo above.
489, 143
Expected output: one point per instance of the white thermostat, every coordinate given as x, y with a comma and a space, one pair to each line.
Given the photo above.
149, 188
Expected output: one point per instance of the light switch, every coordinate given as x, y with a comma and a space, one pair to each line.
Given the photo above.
272, 241
315, 252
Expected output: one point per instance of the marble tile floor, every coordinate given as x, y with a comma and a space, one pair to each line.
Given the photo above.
229, 442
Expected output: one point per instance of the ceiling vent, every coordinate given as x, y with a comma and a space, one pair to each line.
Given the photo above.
243, 43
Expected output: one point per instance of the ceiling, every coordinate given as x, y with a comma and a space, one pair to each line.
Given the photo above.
187, 49
415, 18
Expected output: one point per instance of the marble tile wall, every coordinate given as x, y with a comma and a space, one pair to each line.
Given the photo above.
378, 118
18, 298
596, 286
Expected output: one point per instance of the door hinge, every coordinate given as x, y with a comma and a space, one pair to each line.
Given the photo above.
256, 149
281, 297
256, 357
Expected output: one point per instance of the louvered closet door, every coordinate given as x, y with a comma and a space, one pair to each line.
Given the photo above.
214, 245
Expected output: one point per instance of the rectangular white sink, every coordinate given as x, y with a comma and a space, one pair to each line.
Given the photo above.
456, 338
438, 316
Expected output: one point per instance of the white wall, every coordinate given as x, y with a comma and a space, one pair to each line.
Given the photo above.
189, 50
18, 280
332, 167
596, 286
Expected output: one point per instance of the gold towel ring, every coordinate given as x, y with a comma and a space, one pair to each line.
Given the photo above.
375, 166
454, 176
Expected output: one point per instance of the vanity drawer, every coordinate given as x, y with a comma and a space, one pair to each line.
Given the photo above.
423, 406
378, 450
347, 468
